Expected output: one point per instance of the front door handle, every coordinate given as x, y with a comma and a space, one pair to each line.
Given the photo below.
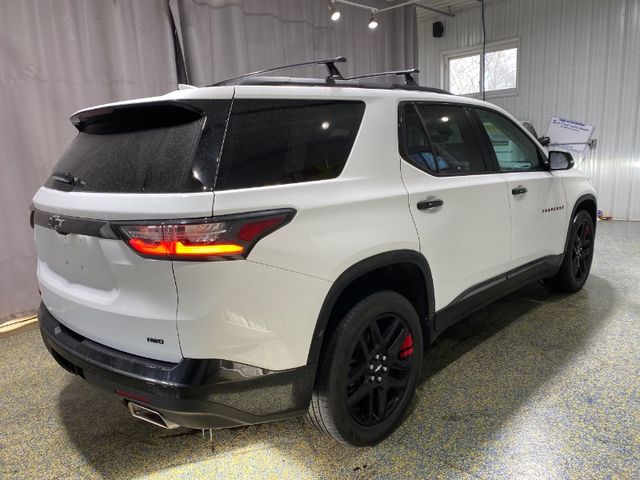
427, 204
519, 190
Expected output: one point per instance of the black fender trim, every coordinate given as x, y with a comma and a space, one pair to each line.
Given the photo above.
577, 204
358, 270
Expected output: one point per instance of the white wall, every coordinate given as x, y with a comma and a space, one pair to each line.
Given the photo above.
578, 59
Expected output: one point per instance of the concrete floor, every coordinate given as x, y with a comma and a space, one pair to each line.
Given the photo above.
536, 386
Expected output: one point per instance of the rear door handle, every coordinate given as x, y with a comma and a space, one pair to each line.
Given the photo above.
427, 204
519, 190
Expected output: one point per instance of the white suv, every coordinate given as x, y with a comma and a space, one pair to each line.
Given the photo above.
274, 246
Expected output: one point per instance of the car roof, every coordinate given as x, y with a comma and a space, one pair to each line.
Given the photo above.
317, 91
287, 87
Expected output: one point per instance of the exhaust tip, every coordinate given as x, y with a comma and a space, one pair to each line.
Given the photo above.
150, 416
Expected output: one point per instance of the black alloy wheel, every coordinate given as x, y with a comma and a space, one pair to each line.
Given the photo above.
576, 265
379, 369
582, 250
368, 370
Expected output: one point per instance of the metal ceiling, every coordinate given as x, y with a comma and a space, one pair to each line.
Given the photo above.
446, 5
430, 8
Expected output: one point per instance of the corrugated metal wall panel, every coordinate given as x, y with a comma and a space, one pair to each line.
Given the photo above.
579, 59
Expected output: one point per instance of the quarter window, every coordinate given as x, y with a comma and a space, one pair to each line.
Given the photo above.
439, 139
514, 151
274, 142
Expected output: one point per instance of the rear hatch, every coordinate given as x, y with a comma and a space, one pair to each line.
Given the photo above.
129, 163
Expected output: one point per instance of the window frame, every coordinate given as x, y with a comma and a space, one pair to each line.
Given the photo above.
542, 157
490, 164
477, 50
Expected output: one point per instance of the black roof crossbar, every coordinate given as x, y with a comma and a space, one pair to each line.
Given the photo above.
321, 82
408, 77
334, 73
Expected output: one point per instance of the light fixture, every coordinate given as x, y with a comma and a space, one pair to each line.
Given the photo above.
373, 23
334, 12
325, 125
444, 119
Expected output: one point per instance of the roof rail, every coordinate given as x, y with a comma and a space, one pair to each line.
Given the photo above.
334, 73
408, 78
320, 82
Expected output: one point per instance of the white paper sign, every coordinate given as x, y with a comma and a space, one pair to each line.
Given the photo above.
574, 136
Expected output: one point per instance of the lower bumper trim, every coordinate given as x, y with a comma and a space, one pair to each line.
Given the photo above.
194, 393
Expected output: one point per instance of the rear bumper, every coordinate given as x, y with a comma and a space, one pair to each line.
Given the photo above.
194, 393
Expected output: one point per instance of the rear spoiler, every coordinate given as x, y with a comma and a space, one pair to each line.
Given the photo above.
129, 117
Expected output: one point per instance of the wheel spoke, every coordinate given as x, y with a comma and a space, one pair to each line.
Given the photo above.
376, 336
359, 393
396, 342
400, 365
389, 332
576, 266
359, 372
395, 384
365, 348
370, 406
382, 402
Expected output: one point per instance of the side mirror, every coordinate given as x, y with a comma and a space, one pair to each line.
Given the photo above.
560, 160
544, 141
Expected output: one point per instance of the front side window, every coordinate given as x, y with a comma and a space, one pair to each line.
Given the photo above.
439, 139
275, 142
513, 149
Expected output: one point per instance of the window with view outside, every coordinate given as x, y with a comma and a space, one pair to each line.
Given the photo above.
513, 149
464, 75
501, 71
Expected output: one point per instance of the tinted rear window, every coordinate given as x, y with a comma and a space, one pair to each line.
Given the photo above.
149, 148
274, 142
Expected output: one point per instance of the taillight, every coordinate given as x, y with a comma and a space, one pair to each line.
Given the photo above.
222, 238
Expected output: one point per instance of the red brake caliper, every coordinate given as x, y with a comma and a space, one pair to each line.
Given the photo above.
406, 349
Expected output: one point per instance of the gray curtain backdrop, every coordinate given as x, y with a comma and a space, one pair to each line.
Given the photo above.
57, 56
225, 38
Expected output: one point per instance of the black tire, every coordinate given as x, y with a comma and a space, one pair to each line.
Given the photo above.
346, 402
576, 264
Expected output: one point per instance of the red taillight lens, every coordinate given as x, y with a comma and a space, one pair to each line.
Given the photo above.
229, 237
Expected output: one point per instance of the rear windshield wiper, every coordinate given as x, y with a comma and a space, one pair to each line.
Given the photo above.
69, 179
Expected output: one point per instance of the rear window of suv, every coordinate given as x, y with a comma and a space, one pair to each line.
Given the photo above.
275, 142
145, 148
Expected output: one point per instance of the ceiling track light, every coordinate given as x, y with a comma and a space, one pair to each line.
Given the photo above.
373, 23
334, 13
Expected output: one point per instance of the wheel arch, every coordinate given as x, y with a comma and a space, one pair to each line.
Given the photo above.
585, 202
372, 274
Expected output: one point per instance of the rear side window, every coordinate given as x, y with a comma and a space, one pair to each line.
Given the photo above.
142, 148
440, 140
274, 142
